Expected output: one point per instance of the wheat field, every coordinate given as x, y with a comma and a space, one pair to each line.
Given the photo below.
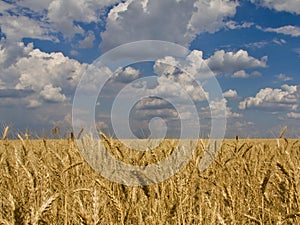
250, 182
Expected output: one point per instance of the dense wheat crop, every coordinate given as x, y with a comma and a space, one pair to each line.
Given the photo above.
250, 182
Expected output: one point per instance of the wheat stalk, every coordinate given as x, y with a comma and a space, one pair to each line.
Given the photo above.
265, 182
72, 166
80, 133
116, 202
252, 219
5, 132
95, 207
283, 132
22, 141
44, 208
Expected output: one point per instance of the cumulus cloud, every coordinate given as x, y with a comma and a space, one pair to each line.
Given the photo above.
219, 62
126, 75
190, 77
52, 17
39, 69
181, 86
216, 110
230, 94
152, 103
244, 74
291, 6
33, 103
52, 94
223, 61
194, 68
16, 23
284, 98
152, 113
4, 6
231, 114
88, 41
17, 27
174, 21
78, 11
37, 6
10, 53
37, 75
293, 115
290, 30
210, 15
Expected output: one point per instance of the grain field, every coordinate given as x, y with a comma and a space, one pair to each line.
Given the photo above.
250, 182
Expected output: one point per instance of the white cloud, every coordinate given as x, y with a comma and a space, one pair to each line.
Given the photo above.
283, 77
126, 75
4, 6
184, 89
34, 5
168, 20
240, 74
230, 94
264, 43
223, 61
233, 25
177, 86
293, 31
243, 124
293, 115
88, 41
152, 103
74, 52
210, 15
155, 112
215, 110
244, 74
220, 62
258, 44
80, 10
192, 71
290, 89
165, 66
279, 41
231, 114
10, 53
33, 103
17, 27
274, 99
40, 69
51, 76
292, 6
192, 65
52, 94
52, 17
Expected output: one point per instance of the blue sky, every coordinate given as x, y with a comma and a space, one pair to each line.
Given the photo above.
251, 46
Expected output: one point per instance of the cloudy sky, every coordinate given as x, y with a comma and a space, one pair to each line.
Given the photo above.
251, 46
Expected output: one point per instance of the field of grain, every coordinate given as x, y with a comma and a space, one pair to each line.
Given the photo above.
249, 182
